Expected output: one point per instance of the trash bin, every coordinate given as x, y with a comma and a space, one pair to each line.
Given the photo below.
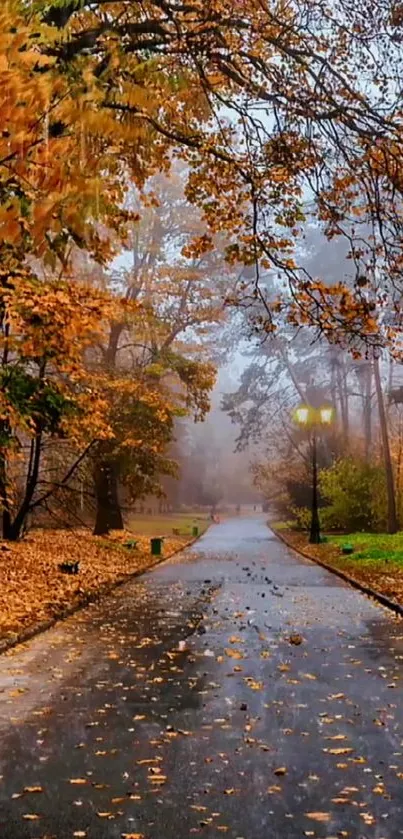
156, 546
347, 548
195, 531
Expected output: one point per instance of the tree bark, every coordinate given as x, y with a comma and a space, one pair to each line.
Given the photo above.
102, 502
390, 484
4, 500
367, 411
344, 406
6, 515
314, 535
399, 469
115, 512
106, 472
14, 527
108, 512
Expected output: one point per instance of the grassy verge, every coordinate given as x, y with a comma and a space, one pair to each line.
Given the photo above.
164, 525
33, 589
377, 560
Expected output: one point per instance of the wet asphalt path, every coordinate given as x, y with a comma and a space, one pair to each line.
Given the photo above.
236, 690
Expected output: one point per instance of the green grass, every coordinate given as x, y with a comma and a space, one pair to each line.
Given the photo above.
370, 549
163, 525
373, 548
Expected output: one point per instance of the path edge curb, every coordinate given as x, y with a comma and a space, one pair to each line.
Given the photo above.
371, 592
87, 600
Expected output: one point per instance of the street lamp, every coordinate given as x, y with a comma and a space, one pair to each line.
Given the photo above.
306, 416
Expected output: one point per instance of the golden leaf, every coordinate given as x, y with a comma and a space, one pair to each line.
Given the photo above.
318, 816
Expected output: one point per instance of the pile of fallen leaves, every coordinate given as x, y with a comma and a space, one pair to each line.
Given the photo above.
34, 590
385, 578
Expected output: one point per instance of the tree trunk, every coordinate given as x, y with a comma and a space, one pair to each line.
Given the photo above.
115, 513
13, 528
399, 470
314, 535
344, 407
4, 501
390, 484
106, 472
101, 494
108, 512
367, 411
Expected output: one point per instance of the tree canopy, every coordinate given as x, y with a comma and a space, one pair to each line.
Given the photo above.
283, 115
283, 112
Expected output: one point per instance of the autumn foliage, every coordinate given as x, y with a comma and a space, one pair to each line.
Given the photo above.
277, 123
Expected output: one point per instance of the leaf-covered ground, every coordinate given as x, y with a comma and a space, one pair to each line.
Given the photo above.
377, 560
33, 589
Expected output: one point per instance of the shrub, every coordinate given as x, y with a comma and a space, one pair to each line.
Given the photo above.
356, 494
301, 518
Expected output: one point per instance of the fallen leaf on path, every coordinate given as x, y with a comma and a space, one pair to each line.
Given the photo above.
367, 818
318, 816
253, 684
341, 800
295, 639
233, 653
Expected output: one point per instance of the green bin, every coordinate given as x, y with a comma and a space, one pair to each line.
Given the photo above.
195, 530
156, 546
347, 548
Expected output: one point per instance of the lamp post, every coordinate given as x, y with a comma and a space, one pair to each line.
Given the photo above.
306, 416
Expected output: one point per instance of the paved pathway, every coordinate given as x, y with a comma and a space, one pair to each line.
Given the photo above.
183, 706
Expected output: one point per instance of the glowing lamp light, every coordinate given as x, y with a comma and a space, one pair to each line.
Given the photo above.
326, 415
302, 415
